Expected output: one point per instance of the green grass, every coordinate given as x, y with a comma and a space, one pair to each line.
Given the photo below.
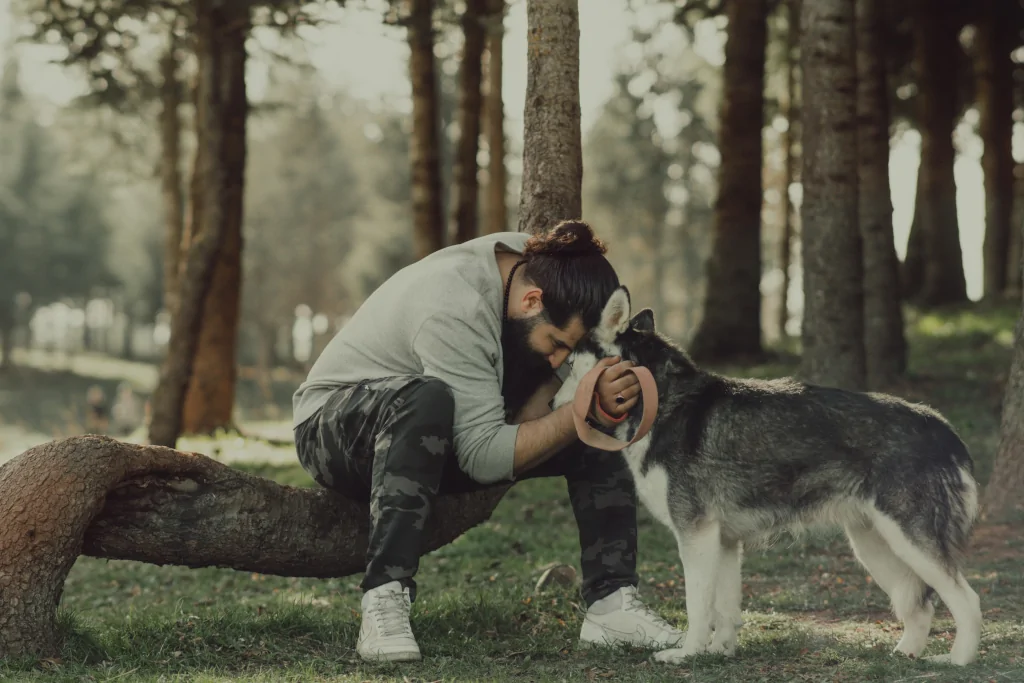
810, 611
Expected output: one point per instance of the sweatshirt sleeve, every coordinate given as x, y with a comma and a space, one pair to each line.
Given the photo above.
462, 357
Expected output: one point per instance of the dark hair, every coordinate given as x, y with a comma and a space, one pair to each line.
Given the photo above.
568, 263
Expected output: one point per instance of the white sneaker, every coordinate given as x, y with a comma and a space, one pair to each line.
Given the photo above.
385, 635
622, 618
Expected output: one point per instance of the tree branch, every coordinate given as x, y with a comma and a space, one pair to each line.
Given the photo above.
104, 498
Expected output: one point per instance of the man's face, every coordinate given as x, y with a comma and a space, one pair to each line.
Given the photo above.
533, 348
534, 342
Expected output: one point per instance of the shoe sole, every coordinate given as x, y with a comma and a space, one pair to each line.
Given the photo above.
391, 656
595, 635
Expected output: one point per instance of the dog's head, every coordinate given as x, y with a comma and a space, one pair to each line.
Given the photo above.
617, 334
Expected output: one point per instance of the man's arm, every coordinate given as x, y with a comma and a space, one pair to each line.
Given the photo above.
551, 431
542, 432
488, 449
538, 440
538, 405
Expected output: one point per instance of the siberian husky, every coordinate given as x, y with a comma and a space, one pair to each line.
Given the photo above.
730, 463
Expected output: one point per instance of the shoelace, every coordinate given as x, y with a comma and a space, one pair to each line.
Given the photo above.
390, 612
632, 603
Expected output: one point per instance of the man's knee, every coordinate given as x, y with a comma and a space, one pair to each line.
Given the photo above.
431, 399
417, 442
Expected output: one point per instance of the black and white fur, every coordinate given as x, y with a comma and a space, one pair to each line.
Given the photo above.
736, 462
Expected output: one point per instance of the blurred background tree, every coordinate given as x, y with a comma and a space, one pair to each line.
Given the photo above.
352, 138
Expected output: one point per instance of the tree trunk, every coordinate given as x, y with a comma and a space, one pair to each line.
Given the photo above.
467, 188
833, 326
1004, 495
884, 344
425, 149
104, 498
494, 117
170, 171
210, 398
731, 324
552, 149
788, 137
994, 78
912, 269
935, 43
216, 43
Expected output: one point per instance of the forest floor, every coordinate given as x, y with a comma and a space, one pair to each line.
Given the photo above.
810, 611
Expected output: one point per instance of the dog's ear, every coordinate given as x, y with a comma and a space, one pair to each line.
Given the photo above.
643, 321
615, 316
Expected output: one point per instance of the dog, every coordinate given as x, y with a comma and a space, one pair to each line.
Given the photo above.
731, 464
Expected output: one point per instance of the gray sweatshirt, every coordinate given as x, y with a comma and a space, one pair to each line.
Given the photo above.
439, 317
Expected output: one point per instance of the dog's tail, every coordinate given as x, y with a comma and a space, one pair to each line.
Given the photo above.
929, 532
934, 499
958, 513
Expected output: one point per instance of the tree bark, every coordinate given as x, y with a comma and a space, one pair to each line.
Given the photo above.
494, 122
425, 148
994, 78
216, 28
788, 137
210, 398
884, 343
1004, 495
170, 171
467, 187
731, 324
935, 44
552, 149
833, 326
104, 498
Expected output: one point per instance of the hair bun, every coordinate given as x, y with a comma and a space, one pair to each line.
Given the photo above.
568, 239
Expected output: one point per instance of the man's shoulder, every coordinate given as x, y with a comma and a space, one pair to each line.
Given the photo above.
462, 278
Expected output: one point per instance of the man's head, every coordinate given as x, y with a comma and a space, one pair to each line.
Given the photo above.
556, 298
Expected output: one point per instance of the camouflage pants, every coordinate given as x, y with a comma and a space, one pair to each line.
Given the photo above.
389, 442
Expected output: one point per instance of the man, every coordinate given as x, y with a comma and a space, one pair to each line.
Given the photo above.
442, 382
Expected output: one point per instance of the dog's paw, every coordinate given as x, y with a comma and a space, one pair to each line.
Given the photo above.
911, 648
724, 645
674, 655
951, 659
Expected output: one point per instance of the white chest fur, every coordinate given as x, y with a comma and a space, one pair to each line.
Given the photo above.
652, 486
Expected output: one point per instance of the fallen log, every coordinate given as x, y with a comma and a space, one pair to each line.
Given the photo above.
95, 496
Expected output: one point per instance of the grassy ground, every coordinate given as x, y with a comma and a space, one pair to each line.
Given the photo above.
811, 613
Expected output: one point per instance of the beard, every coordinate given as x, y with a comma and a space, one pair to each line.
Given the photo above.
525, 370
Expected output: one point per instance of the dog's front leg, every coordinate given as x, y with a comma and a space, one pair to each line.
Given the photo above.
728, 599
700, 550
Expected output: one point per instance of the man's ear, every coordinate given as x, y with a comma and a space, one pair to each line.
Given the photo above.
615, 316
643, 321
533, 300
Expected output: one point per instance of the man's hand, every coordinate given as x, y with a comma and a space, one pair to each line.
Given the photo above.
617, 390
